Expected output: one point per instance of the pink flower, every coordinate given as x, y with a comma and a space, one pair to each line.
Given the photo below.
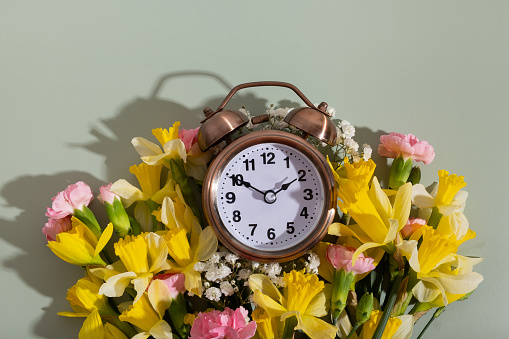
227, 324
341, 258
189, 137
106, 195
407, 145
55, 226
175, 283
75, 196
412, 225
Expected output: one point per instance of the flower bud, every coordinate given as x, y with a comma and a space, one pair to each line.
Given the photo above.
415, 175
115, 210
364, 308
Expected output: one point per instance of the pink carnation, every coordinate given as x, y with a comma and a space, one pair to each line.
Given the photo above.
75, 196
412, 225
55, 226
189, 137
407, 145
175, 283
227, 324
106, 195
341, 258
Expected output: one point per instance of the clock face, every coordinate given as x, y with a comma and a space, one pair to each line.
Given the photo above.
270, 197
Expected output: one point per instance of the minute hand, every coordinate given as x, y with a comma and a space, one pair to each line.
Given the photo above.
284, 187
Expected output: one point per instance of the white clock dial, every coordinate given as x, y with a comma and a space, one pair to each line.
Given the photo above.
270, 197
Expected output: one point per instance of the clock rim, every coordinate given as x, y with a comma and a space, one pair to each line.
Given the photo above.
211, 182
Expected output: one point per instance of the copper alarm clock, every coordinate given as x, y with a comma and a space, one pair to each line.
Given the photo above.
268, 195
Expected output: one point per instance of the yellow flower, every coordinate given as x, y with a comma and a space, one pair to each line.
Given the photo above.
358, 170
266, 327
147, 314
439, 269
186, 254
142, 256
84, 298
173, 147
378, 221
149, 178
80, 245
396, 327
450, 201
303, 297
93, 329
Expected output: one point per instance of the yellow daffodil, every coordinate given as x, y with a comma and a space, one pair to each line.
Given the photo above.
303, 297
358, 170
266, 327
378, 221
439, 269
80, 245
142, 256
147, 314
149, 178
93, 328
186, 254
152, 154
397, 327
449, 200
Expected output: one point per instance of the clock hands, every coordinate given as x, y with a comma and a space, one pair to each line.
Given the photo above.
269, 196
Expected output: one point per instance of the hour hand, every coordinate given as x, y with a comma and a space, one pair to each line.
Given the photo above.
248, 185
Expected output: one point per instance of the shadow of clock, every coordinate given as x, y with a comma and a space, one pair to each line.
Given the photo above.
33, 262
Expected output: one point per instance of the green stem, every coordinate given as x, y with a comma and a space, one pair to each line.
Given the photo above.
357, 325
435, 315
391, 299
290, 324
435, 217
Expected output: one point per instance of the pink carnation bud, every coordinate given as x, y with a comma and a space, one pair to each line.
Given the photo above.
407, 145
189, 137
412, 225
106, 195
226, 324
341, 258
75, 196
175, 283
55, 226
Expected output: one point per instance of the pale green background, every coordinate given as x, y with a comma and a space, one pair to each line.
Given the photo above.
79, 80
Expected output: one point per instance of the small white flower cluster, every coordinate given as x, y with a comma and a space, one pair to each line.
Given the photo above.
272, 270
312, 263
346, 132
277, 116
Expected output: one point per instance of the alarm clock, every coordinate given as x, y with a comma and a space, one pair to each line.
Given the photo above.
268, 195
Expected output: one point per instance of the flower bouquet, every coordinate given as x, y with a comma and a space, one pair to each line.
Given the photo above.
390, 255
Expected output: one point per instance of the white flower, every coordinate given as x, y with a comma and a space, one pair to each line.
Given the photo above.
231, 258
244, 274
218, 273
367, 152
279, 124
255, 265
214, 259
351, 145
200, 266
281, 112
313, 263
213, 293
226, 288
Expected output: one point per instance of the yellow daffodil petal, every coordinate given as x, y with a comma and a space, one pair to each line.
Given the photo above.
141, 314
454, 223
272, 307
178, 246
421, 198
103, 240
161, 330
175, 149
369, 327
168, 190
404, 330
115, 286
425, 291
193, 280
266, 327
316, 328
74, 315
146, 148
262, 282
87, 292
160, 296
380, 200
149, 177
141, 283
92, 327
127, 192
207, 244
316, 306
112, 332
448, 187
402, 204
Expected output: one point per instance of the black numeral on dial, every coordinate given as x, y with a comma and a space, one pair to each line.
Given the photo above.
309, 194
230, 197
268, 158
250, 164
271, 234
304, 213
237, 180
236, 216
290, 229
253, 228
